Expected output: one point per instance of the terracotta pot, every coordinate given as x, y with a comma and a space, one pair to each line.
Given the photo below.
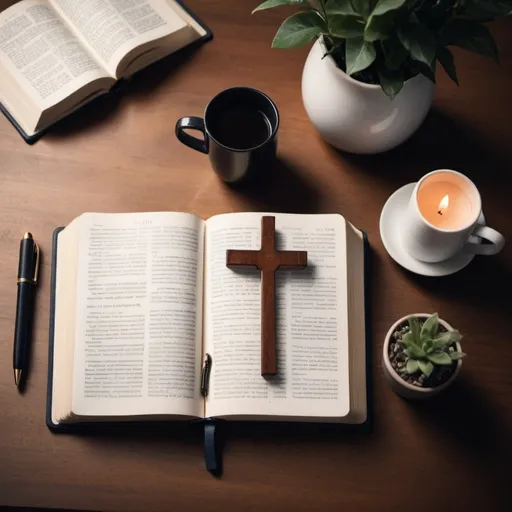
399, 385
358, 117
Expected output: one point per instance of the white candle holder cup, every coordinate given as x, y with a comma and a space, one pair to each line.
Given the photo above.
442, 215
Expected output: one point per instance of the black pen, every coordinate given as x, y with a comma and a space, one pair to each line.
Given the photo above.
27, 278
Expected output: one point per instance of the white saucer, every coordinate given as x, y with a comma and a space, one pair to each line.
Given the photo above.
390, 232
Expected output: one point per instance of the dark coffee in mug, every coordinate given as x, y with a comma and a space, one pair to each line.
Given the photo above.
241, 128
240, 133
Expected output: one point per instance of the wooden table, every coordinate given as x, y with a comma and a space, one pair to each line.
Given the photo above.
451, 454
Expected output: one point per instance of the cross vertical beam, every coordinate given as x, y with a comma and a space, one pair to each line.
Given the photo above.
268, 323
267, 259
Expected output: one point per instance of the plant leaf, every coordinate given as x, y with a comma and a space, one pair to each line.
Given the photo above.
440, 357
412, 366
427, 346
384, 6
426, 367
359, 54
391, 82
430, 328
442, 340
346, 26
445, 339
334, 48
455, 356
486, 9
362, 7
445, 57
269, 4
414, 328
395, 55
470, 35
419, 41
428, 71
439, 345
340, 7
415, 352
379, 28
299, 29
380, 21
408, 339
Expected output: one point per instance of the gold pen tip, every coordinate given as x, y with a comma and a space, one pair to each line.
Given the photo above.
17, 377
28, 236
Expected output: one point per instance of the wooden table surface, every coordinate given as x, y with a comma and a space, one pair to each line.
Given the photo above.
453, 453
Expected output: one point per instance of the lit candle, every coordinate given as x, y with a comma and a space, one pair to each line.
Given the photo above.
441, 216
445, 200
443, 204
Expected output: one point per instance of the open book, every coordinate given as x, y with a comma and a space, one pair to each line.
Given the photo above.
57, 55
141, 298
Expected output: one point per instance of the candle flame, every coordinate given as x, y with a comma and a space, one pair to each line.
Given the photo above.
443, 204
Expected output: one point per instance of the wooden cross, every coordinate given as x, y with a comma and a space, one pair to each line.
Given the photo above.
268, 260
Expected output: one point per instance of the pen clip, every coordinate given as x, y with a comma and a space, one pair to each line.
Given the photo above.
205, 374
36, 266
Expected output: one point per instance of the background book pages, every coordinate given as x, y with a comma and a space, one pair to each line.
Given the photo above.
57, 55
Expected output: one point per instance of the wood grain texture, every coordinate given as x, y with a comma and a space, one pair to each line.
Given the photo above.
268, 260
121, 155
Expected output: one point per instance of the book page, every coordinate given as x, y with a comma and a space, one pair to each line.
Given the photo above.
357, 324
139, 315
312, 339
63, 335
113, 28
42, 55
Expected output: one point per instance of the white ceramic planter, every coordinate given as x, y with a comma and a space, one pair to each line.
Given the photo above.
358, 117
399, 385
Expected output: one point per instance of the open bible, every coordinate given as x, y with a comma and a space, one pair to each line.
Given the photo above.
139, 300
57, 55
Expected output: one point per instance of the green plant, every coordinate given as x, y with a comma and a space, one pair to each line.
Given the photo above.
387, 42
427, 347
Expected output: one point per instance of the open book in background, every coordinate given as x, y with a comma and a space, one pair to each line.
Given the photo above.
58, 55
139, 299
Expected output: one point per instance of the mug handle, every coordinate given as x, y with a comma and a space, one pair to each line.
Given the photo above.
497, 239
192, 123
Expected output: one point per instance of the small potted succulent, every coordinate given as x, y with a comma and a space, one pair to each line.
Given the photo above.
422, 355
368, 81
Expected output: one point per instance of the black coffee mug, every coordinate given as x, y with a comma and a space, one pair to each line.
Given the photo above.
240, 133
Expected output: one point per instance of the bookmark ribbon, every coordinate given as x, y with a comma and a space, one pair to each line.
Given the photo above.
213, 447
